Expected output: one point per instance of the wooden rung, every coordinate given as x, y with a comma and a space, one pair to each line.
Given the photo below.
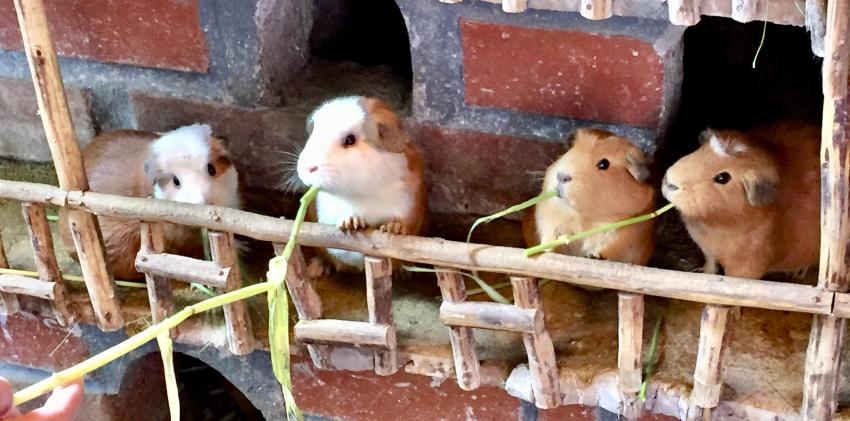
545, 378
240, 335
152, 240
182, 268
514, 6
708, 374
45, 260
8, 302
307, 303
345, 332
744, 10
379, 300
493, 316
467, 366
16, 284
596, 9
630, 311
683, 12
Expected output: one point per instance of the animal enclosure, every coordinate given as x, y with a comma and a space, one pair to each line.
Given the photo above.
536, 376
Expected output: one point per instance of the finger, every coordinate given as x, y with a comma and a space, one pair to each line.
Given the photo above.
62, 405
6, 408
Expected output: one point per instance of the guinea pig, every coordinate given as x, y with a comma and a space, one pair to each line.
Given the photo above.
602, 178
369, 172
185, 165
751, 201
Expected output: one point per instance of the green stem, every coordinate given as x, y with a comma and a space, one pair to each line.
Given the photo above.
515, 208
566, 239
651, 359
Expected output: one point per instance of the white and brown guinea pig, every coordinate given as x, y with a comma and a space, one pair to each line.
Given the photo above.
751, 200
369, 172
602, 178
185, 165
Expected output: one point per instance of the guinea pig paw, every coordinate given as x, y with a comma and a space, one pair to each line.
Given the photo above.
394, 227
317, 268
352, 223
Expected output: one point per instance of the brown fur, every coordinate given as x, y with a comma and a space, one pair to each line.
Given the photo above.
114, 164
594, 197
766, 218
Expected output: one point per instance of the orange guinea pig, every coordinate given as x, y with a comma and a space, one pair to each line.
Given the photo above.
187, 165
602, 178
751, 200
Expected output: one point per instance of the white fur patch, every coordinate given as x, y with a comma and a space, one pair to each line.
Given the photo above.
187, 141
719, 149
338, 113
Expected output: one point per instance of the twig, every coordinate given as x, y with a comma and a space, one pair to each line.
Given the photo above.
484, 286
72, 278
764, 33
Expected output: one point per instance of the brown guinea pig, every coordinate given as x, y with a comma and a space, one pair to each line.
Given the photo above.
751, 200
185, 165
602, 178
369, 172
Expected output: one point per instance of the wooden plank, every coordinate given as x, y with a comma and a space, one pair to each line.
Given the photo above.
708, 374
345, 332
630, 335
182, 268
684, 12
514, 6
545, 380
240, 335
816, 24
8, 302
744, 10
16, 284
45, 260
59, 130
379, 300
306, 300
152, 239
467, 365
493, 316
699, 287
596, 9
827, 336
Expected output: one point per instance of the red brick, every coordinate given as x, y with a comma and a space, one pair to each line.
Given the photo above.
481, 173
580, 75
31, 341
152, 33
365, 396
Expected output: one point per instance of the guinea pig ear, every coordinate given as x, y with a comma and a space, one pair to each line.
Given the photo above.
706, 135
570, 140
150, 170
637, 163
761, 190
219, 156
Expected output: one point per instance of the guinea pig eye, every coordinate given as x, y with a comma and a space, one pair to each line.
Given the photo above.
349, 140
211, 170
722, 178
176, 181
603, 164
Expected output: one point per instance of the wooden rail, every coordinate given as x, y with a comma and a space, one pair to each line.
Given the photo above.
698, 287
62, 139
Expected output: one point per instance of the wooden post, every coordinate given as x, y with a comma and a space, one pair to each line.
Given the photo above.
630, 310
545, 380
45, 259
745, 10
514, 6
159, 288
307, 303
684, 12
596, 9
467, 366
59, 129
8, 302
379, 299
823, 355
240, 335
816, 24
708, 374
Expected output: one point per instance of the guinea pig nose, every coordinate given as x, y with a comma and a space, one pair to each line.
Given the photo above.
564, 177
312, 169
670, 186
